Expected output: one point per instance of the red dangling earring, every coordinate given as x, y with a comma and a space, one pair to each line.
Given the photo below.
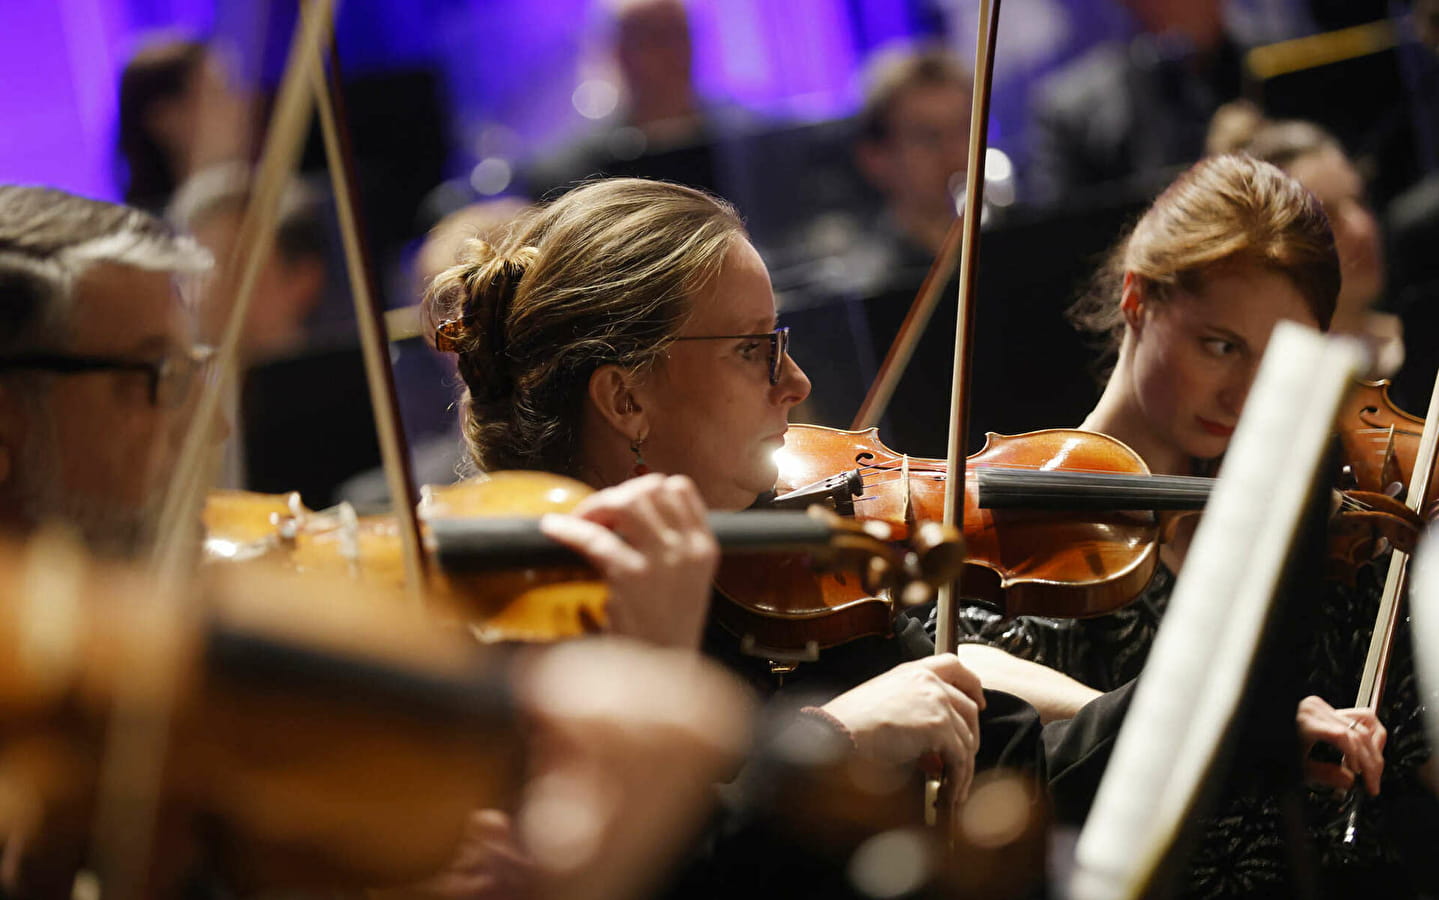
640, 467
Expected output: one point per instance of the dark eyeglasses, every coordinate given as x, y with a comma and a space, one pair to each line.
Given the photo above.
778, 346
170, 378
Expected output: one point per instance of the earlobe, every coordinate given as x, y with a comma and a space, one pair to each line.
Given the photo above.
612, 396
1131, 302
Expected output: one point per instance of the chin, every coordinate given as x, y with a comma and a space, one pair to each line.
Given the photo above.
764, 474
741, 493
1208, 447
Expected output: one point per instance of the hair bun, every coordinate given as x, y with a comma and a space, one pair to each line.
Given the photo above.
470, 305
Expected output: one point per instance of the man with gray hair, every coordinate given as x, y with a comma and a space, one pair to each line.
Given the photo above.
97, 364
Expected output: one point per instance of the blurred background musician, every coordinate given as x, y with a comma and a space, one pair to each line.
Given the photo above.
1315, 159
912, 138
294, 278
912, 149
847, 304
663, 128
178, 116
1129, 113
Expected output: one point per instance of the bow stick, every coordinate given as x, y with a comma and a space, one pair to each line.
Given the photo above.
371, 321
945, 638
901, 349
132, 766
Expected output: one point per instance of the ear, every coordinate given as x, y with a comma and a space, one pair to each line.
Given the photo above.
1132, 302
611, 393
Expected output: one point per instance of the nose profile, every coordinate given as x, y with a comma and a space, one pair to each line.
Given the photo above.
793, 385
1236, 390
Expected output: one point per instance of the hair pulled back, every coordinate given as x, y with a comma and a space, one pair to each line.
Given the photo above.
603, 275
1240, 127
1225, 210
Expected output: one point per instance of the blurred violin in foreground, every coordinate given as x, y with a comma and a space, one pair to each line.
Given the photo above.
285, 744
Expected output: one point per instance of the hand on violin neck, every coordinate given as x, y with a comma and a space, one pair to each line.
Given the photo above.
650, 539
926, 706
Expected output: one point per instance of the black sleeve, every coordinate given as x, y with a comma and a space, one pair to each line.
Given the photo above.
1077, 752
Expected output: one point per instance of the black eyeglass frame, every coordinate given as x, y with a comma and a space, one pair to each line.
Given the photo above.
778, 346
196, 360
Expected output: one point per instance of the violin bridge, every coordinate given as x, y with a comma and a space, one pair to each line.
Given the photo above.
1389, 471
908, 497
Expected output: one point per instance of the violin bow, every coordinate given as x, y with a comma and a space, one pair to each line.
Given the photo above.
379, 372
945, 637
901, 349
1381, 642
133, 760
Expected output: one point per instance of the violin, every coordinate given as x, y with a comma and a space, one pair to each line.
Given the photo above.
244, 694
1061, 522
495, 570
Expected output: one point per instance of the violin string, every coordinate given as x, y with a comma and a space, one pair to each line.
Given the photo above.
942, 471
1157, 490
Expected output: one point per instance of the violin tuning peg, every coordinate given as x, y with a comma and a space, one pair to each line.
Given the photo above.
940, 552
879, 530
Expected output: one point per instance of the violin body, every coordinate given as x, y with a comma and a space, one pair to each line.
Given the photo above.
1380, 441
1028, 562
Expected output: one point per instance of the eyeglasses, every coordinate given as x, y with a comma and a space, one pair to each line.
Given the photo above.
171, 377
778, 346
